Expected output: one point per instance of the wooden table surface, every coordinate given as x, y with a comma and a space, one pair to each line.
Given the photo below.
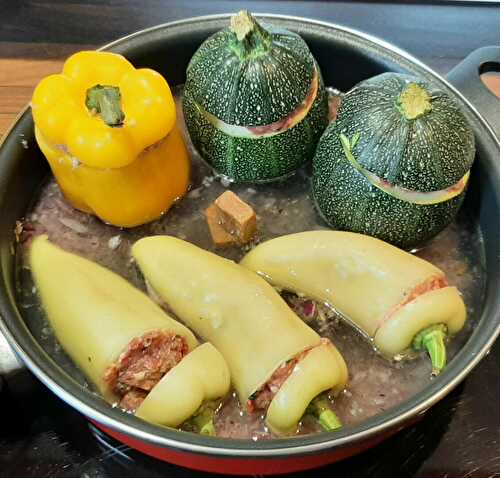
35, 37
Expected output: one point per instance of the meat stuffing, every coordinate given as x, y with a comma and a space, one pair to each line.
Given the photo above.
433, 283
261, 399
131, 400
142, 365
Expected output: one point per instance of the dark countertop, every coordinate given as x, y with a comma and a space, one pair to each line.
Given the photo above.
42, 437
439, 33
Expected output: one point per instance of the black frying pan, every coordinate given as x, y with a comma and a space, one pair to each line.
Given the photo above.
345, 57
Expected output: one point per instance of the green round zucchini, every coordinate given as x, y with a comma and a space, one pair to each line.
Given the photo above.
395, 164
254, 101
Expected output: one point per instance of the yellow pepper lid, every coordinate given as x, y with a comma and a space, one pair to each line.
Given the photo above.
69, 109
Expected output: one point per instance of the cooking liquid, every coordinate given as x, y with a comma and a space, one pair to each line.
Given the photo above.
375, 384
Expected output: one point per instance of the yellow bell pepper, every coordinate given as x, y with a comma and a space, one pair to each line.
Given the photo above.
109, 133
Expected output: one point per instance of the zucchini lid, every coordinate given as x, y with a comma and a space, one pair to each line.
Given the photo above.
348, 200
407, 132
248, 75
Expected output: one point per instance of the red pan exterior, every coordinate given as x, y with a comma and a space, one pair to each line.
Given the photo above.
244, 465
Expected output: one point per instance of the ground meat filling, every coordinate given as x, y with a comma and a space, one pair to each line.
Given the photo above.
430, 284
142, 365
263, 397
131, 400
433, 283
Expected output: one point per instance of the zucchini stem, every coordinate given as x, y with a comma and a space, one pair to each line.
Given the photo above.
106, 101
432, 340
252, 38
242, 24
414, 101
320, 409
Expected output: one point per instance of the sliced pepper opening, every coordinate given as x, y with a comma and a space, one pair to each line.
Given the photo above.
262, 398
319, 407
428, 285
142, 365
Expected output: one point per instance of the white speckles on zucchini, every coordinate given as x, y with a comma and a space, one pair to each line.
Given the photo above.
395, 164
398, 192
265, 131
252, 159
430, 152
259, 80
347, 200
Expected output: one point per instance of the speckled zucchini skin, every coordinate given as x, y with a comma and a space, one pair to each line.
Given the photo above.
254, 82
257, 159
348, 201
429, 153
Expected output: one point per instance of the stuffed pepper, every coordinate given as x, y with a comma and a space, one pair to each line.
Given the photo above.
109, 133
135, 355
397, 299
277, 362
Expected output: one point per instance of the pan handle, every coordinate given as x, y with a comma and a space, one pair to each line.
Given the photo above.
466, 78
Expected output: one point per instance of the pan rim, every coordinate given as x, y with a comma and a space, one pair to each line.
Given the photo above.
286, 446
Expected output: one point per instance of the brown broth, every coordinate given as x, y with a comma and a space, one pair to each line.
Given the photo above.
375, 384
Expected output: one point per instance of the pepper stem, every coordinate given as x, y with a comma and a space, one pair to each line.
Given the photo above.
432, 340
203, 421
320, 409
106, 101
